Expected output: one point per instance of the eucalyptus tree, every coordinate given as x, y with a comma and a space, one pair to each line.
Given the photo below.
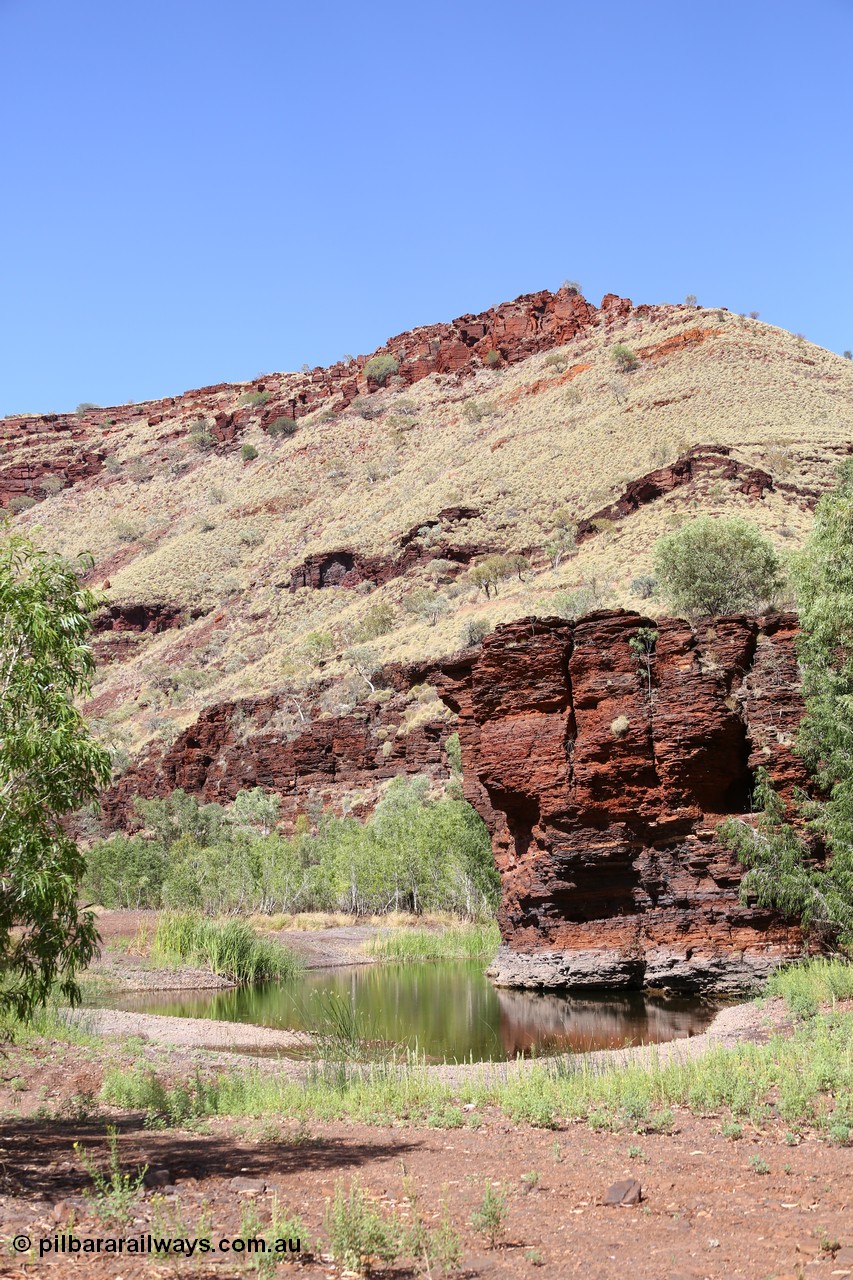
49, 766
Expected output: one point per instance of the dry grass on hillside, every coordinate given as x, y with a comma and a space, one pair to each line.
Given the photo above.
563, 431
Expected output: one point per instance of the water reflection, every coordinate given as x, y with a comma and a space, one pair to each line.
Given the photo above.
449, 1010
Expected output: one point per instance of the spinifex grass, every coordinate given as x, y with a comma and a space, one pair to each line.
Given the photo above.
228, 947
458, 942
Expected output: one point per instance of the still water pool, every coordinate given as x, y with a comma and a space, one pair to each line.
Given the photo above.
447, 1010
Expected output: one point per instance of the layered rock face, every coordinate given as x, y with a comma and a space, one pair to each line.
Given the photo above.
339, 763
603, 780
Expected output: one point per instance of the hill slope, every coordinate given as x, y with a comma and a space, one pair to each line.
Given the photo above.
234, 577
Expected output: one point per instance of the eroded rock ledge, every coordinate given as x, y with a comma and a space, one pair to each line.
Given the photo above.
603, 798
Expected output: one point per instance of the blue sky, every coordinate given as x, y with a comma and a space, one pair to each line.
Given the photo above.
197, 191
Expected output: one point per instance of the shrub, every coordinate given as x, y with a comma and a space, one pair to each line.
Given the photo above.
281, 426
380, 368
474, 631
248, 453
359, 1231
571, 604
619, 727
254, 399
494, 359
125, 530
84, 407
453, 750
378, 621
426, 604
20, 502
490, 1216
644, 586
571, 286
200, 435
318, 645
366, 408
52, 484
717, 566
625, 359
556, 360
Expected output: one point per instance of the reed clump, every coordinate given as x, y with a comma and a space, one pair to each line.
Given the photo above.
227, 947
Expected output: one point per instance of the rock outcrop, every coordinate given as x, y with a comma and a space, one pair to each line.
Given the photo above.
345, 568
603, 780
337, 763
708, 463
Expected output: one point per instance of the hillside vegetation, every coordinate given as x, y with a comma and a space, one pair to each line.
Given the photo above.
520, 451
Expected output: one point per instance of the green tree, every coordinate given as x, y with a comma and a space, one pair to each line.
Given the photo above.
180, 814
783, 872
255, 810
49, 766
717, 566
489, 572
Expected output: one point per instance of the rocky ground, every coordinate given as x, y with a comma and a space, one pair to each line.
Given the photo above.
710, 1207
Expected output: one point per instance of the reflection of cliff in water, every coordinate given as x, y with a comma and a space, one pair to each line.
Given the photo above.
530, 1021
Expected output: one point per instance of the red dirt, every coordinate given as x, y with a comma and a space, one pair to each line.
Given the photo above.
706, 1211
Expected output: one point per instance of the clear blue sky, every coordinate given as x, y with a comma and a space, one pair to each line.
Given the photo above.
198, 190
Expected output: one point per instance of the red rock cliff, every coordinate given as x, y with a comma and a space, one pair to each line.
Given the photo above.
603, 795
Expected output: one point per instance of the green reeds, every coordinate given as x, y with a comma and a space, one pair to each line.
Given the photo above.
458, 942
227, 947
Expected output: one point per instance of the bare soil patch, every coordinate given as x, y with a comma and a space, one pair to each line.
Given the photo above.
705, 1212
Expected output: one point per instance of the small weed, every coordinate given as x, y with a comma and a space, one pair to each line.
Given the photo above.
828, 1244
283, 1236
431, 1247
489, 1218
758, 1165
359, 1234
530, 1181
661, 1121
731, 1129
115, 1192
534, 1257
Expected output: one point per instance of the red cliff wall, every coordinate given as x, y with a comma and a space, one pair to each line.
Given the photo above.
339, 763
603, 802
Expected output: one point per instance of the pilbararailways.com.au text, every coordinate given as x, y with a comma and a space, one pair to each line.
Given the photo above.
50, 1246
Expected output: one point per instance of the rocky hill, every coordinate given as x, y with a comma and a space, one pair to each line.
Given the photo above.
250, 537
